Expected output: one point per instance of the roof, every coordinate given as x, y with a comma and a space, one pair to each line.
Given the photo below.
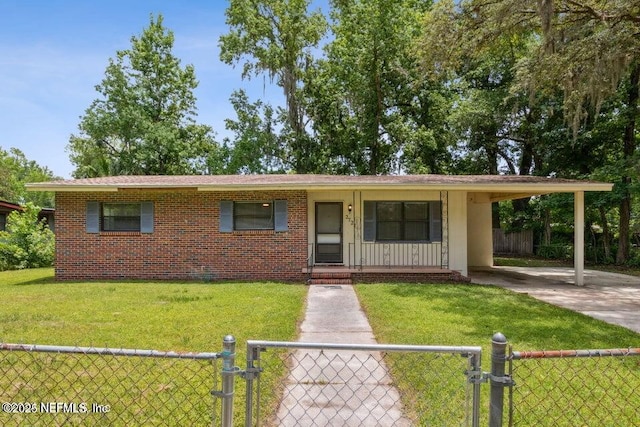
8, 206
507, 185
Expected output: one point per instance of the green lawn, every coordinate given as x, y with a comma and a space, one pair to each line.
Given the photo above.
195, 317
562, 390
471, 314
149, 315
191, 317
533, 261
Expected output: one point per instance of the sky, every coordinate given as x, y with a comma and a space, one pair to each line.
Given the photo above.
53, 53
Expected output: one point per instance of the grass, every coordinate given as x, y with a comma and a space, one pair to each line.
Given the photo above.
529, 261
191, 317
156, 315
195, 317
471, 314
533, 261
452, 315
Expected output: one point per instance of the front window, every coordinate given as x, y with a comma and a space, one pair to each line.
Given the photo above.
120, 217
253, 216
402, 221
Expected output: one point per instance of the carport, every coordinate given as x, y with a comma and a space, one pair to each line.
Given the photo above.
480, 242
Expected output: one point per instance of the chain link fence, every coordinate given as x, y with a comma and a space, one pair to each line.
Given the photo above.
352, 385
312, 384
81, 386
575, 388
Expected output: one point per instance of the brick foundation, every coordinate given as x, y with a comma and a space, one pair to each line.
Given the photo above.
339, 276
445, 276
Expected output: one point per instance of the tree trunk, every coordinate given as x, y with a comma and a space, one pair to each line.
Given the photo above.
606, 236
547, 227
628, 149
495, 215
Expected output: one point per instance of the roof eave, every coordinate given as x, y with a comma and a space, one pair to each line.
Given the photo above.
46, 186
526, 189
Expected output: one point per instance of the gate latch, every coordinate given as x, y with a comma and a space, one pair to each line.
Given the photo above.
505, 380
250, 373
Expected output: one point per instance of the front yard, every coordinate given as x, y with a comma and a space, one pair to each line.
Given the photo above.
549, 391
195, 317
155, 315
179, 317
471, 314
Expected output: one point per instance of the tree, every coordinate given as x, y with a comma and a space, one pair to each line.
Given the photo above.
375, 105
257, 146
27, 241
15, 171
144, 122
585, 51
362, 107
276, 37
589, 48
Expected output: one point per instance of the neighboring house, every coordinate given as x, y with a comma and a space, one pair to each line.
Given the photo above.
287, 227
6, 208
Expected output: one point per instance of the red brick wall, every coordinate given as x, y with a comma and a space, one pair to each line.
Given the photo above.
186, 242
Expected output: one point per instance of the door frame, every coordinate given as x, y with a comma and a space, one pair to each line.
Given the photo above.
340, 256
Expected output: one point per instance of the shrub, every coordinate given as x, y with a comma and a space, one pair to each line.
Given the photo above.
554, 251
27, 241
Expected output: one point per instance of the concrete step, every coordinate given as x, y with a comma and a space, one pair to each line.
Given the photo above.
330, 281
331, 275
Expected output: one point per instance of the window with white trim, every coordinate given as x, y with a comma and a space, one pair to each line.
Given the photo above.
402, 221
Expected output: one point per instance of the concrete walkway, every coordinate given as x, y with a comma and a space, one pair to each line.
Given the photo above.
338, 387
611, 297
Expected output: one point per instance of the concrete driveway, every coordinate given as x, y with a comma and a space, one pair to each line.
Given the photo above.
612, 297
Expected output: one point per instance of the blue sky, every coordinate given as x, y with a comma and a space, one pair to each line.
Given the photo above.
54, 52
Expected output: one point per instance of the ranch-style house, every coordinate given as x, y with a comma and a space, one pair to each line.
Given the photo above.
289, 227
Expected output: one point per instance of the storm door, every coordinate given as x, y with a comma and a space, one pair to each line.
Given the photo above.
328, 232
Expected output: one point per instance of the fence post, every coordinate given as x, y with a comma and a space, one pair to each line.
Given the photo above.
228, 374
253, 354
476, 366
498, 360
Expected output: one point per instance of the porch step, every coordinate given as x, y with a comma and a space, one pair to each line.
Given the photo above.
330, 278
330, 282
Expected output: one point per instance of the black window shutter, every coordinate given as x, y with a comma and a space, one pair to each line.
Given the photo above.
369, 221
93, 217
146, 217
226, 216
281, 222
435, 221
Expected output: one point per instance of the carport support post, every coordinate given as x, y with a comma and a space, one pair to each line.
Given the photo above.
578, 237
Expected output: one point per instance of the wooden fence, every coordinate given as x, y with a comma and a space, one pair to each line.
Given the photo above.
520, 242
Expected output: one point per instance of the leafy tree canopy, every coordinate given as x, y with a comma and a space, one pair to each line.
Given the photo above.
277, 37
15, 171
144, 122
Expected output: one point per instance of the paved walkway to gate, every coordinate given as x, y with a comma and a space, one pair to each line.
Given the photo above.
347, 388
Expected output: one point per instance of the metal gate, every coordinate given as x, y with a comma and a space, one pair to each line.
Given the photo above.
310, 384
